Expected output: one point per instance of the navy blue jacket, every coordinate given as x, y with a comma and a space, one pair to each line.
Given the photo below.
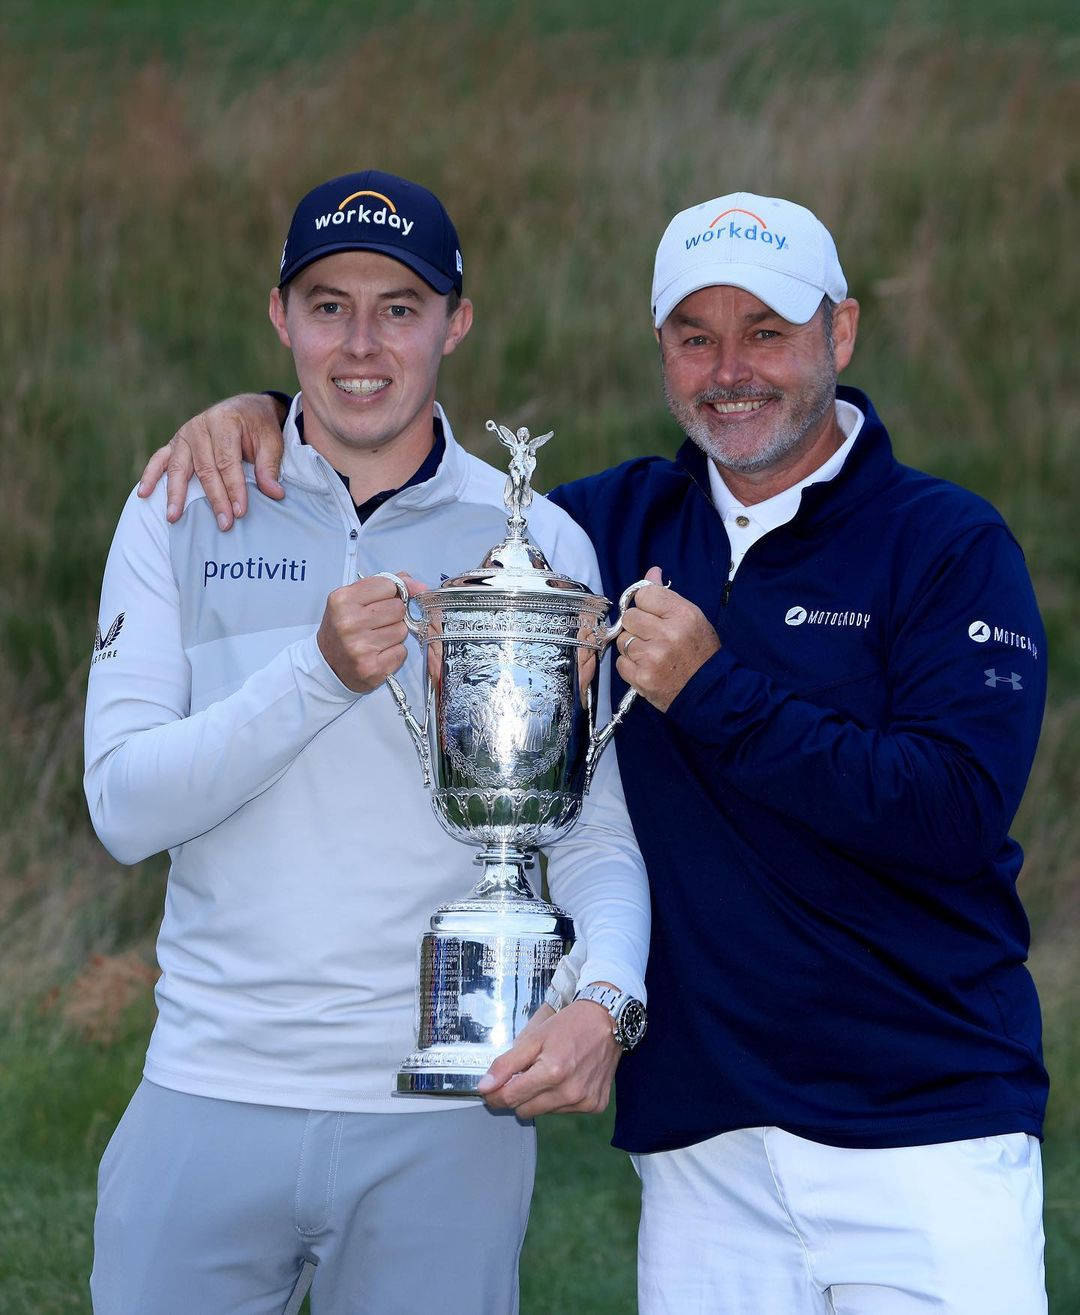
838, 945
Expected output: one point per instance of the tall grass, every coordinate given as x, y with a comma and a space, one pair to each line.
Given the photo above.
148, 167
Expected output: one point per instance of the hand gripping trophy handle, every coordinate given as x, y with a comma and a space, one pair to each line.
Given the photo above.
600, 736
417, 730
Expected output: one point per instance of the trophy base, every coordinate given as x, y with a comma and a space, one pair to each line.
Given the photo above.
484, 968
445, 1074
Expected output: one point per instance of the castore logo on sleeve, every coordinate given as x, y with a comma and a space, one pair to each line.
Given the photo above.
105, 644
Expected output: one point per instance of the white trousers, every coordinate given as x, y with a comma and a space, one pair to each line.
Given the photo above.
760, 1222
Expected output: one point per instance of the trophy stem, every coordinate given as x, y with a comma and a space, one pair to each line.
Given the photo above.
504, 874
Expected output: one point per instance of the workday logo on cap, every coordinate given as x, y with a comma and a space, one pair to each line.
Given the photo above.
772, 248
374, 211
737, 227
386, 213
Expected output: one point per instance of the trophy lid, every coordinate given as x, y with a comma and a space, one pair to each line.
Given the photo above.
516, 566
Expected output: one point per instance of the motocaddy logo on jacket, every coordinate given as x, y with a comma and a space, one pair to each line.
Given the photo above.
758, 231
981, 632
104, 644
369, 213
798, 616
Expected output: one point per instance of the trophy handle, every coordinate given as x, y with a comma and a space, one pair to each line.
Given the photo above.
600, 737
417, 732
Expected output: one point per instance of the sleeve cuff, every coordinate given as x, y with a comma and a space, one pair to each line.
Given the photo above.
564, 981
609, 970
283, 398
310, 660
574, 970
694, 708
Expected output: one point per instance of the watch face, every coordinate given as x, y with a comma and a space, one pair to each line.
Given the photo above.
632, 1024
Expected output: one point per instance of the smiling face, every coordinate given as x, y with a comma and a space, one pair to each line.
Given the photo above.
367, 337
753, 390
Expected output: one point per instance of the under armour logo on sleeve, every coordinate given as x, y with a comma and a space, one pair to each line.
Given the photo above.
994, 680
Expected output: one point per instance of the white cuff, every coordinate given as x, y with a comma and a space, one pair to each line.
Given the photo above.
564, 982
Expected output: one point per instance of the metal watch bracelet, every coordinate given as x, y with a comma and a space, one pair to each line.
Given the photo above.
627, 1012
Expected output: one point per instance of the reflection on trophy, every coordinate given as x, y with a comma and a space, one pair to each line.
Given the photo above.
509, 744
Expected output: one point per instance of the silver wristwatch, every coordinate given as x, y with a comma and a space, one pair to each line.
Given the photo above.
627, 1012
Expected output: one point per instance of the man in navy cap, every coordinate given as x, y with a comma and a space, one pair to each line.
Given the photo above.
838, 1105
239, 718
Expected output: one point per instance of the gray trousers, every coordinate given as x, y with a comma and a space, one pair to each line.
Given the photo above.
226, 1208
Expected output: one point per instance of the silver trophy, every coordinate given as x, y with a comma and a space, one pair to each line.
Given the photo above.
509, 744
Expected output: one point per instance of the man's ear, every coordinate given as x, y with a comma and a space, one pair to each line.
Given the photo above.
845, 328
459, 325
277, 316
659, 340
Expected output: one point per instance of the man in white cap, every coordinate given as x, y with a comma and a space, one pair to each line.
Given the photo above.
838, 1105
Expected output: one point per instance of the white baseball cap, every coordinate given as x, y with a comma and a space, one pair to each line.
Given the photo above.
775, 249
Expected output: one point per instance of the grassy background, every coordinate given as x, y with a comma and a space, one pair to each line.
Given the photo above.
151, 155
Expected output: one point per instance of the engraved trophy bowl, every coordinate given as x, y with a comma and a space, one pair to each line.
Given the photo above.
508, 745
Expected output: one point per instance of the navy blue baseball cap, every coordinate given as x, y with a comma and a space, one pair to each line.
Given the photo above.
373, 211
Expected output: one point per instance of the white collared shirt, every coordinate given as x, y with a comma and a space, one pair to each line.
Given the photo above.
745, 525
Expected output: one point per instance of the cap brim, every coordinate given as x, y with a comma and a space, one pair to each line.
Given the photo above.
441, 283
794, 299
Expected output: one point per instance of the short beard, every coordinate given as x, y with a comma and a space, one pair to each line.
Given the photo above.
807, 409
